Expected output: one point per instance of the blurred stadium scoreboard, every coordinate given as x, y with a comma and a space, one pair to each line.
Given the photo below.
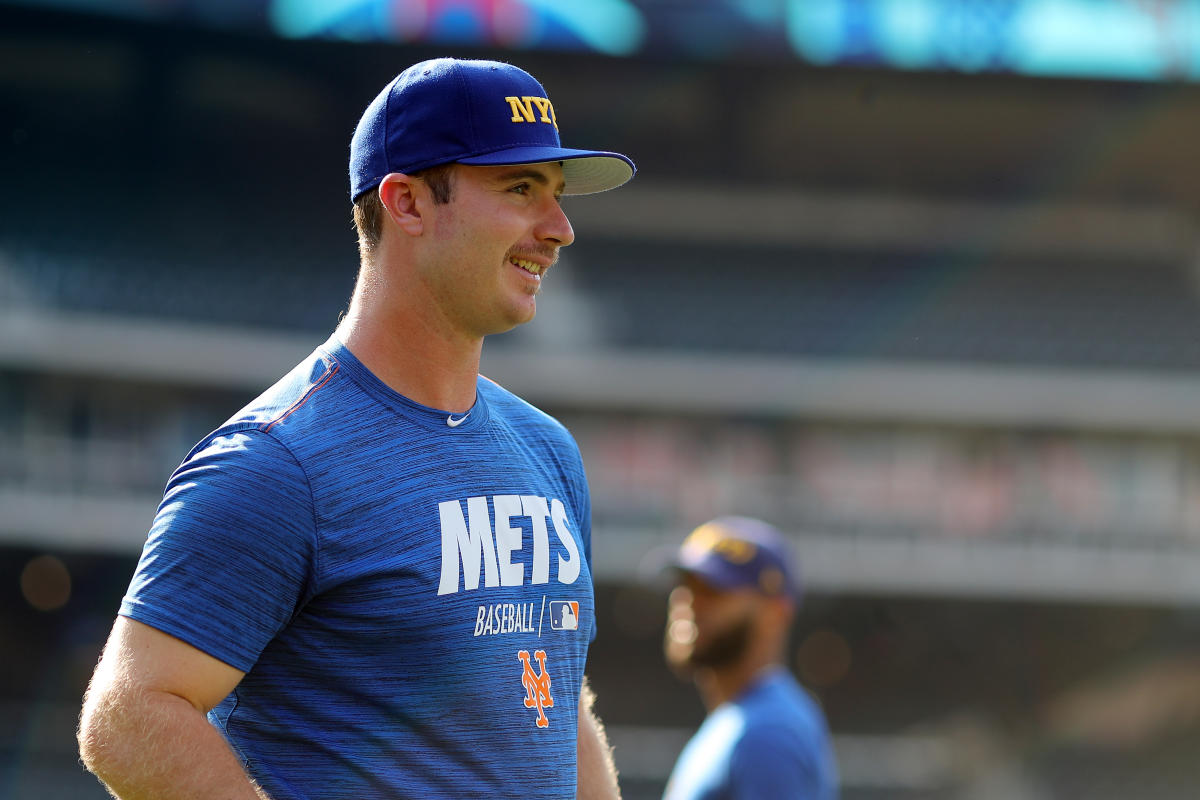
1109, 39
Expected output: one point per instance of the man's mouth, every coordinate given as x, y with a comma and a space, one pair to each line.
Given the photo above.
532, 267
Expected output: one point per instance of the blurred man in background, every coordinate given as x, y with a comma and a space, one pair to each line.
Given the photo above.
346, 577
727, 626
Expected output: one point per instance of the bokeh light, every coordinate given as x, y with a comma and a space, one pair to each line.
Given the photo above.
823, 659
46, 583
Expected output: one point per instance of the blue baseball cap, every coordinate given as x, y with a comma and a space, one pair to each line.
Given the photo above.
737, 552
472, 112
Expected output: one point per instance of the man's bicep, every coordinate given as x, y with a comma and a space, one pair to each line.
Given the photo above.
142, 659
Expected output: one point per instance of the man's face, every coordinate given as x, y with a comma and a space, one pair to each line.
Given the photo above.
709, 627
492, 244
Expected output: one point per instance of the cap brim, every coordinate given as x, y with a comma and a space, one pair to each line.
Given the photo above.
584, 171
711, 570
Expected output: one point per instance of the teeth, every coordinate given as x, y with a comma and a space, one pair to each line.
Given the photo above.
528, 266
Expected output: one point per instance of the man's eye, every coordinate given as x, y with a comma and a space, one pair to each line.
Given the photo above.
520, 188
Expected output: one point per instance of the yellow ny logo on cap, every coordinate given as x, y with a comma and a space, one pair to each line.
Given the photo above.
523, 110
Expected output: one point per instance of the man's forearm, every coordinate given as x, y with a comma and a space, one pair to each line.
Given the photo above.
597, 772
157, 746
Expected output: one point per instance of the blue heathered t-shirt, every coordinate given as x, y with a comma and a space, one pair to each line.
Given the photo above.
769, 743
411, 600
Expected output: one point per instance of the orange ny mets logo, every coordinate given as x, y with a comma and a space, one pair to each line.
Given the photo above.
537, 687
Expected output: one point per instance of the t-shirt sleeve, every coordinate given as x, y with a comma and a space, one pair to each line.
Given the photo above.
232, 551
771, 763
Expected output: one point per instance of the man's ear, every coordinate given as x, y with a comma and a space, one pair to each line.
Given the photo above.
403, 198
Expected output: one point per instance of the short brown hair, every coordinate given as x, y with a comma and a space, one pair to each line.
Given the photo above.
368, 208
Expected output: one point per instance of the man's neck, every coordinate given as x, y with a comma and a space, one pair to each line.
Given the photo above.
406, 352
718, 686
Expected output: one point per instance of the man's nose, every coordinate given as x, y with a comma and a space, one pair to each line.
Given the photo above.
554, 226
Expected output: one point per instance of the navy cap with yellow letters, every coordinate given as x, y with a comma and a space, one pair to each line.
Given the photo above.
485, 113
738, 552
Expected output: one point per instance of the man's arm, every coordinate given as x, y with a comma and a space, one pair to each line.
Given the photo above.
597, 775
143, 731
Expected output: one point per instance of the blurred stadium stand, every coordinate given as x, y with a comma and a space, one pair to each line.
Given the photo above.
943, 328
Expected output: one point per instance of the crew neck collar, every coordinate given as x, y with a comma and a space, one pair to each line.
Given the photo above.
433, 418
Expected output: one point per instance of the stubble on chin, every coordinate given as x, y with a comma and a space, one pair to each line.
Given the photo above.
685, 654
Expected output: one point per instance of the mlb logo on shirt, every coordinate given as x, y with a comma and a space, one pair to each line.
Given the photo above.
564, 615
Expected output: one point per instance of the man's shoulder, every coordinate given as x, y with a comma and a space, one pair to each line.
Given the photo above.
308, 382
785, 736
516, 410
284, 417
783, 706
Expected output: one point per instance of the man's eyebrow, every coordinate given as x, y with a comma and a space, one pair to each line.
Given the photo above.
532, 174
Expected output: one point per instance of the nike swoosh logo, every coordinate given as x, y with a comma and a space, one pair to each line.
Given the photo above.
454, 423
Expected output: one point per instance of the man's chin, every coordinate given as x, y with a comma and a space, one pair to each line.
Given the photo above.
723, 650
521, 313
701, 660
511, 321
687, 661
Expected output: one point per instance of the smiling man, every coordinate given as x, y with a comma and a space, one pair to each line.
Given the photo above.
349, 588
